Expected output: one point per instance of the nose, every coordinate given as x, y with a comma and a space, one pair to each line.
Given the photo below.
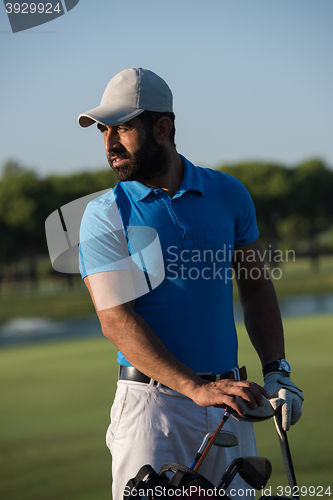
111, 139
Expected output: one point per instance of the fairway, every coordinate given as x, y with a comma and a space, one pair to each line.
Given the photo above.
56, 397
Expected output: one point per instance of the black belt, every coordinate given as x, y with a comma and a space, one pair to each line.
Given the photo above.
131, 373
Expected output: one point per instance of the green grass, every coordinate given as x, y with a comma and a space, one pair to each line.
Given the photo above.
57, 306
298, 278
309, 343
55, 401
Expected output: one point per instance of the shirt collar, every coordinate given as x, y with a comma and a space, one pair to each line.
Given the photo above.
137, 190
191, 182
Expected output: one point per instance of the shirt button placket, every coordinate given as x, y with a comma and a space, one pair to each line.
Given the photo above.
181, 223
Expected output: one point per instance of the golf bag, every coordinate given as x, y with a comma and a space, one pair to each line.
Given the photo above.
184, 483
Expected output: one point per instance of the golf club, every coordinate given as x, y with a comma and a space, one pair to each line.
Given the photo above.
223, 439
255, 414
255, 471
210, 441
285, 450
251, 415
226, 439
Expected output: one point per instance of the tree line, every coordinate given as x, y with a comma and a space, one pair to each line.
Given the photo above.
294, 207
26, 200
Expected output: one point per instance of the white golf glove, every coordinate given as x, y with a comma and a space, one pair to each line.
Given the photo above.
279, 386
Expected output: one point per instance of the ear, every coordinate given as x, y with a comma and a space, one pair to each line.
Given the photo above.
162, 129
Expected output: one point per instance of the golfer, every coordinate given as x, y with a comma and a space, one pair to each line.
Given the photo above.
158, 253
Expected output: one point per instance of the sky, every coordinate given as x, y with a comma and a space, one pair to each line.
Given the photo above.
251, 79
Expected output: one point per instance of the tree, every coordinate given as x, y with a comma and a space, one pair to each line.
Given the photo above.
26, 201
270, 186
11, 169
311, 205
19, 216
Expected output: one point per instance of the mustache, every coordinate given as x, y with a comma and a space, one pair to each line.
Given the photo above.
120, 153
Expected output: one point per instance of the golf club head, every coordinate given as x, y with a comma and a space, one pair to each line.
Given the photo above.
255, 471
226, 439
255, 415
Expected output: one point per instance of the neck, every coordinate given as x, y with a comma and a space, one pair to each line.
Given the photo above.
171, 180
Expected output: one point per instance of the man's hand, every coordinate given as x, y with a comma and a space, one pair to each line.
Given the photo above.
291, 397
223, 393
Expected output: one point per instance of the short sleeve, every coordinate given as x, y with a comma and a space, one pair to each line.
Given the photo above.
106, 246
246, 230
103, 245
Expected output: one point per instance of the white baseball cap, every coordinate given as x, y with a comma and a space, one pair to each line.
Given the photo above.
127, 95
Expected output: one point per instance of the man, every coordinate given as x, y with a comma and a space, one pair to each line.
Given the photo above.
176, 338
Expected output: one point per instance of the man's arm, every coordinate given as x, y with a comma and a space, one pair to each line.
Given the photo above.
263, 322
132, 335
257, 295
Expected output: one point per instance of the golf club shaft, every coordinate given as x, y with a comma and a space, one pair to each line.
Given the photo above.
227, 478
199, 452
286, 454
210, 441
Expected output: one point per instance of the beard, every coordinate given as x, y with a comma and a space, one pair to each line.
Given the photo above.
149, 161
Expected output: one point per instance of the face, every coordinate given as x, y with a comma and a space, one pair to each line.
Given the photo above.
132, 152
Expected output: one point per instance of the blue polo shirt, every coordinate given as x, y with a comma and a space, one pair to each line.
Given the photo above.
191, 309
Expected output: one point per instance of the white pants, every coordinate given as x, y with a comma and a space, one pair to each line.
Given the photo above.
155, 425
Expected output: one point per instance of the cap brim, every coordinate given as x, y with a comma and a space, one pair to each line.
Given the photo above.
109, 115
